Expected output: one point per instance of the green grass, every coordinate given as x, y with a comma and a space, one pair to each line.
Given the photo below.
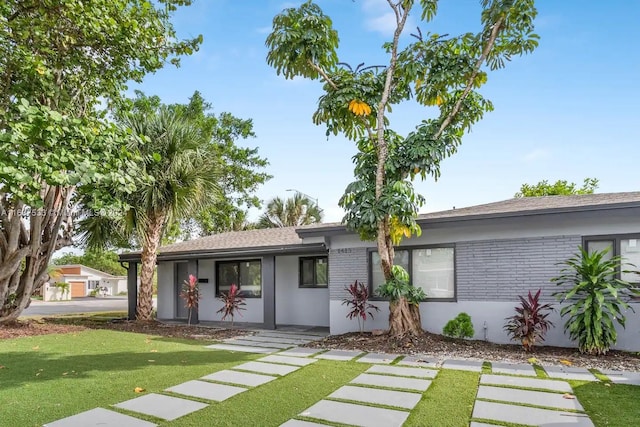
44, 378
448, 402
613, 405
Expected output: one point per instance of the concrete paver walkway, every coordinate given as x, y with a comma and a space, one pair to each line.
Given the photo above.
383, 395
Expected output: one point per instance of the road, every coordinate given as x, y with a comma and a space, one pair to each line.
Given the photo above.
78, 305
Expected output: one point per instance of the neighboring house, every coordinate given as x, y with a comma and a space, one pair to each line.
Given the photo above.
476, 260
83, 280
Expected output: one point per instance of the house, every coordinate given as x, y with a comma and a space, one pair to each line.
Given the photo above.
82, 281
476, 260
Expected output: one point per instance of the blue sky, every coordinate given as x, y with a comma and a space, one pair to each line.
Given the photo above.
567, 111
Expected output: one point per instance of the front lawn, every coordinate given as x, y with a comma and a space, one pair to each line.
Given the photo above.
44, 378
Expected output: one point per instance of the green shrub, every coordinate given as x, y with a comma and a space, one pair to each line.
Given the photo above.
596, 298
459, 327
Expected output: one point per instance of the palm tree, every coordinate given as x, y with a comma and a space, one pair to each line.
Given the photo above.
177, 157
296, 210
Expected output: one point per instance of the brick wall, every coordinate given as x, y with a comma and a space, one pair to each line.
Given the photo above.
488, 270
346, 266
500, 270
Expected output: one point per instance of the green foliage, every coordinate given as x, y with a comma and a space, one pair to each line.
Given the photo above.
530, 323
595, 298
297, 210
106, 261
441, 72
302, 41
459, 327
399, 287
559, 188
59, 62
240, 169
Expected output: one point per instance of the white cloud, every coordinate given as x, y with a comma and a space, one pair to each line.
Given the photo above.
380, 18
332, 213
537, 154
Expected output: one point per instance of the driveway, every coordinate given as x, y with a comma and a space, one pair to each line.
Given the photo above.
77, 305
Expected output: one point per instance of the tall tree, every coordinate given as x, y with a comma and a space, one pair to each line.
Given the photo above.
241, 169
558, 188
106, 261
441, 71
178, 158
296, 210
58, 61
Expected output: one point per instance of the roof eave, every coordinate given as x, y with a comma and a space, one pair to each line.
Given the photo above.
231, 252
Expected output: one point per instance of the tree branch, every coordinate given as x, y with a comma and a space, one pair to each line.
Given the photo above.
485, 52
323, 74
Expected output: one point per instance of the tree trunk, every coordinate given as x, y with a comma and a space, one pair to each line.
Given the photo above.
151, 242
404, 319
25, 252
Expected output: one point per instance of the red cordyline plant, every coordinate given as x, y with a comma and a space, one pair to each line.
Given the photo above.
530, 323
359, 303
190, 294
233, 303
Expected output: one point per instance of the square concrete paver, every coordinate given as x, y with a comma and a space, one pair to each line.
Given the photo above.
267, 368
621, 377
258, 344
348, 413
378, 358
339, 355
100, 418
242, 348
297, 361
463, 365
205, 390
400, 399
300, 352
513, 369
267, 339
402, 371
538, 398
298, 423
420, 361
526, 415
552, 385
290, 336
569, 373
392, 382
240, 378
165, 407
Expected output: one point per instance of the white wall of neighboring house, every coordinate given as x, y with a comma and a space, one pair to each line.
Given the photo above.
91, 278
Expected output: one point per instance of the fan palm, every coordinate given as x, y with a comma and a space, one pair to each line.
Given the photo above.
183, 180
296, 210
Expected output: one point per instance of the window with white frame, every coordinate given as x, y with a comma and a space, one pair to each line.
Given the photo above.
93, 284
430, 268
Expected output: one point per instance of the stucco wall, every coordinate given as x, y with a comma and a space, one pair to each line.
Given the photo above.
295, 305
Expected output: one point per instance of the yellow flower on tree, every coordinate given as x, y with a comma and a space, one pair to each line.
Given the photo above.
359, 108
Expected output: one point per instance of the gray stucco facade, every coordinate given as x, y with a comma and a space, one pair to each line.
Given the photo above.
496, 258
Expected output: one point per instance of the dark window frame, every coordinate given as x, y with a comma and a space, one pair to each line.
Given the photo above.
96, 284
410, 250
315, 274
617, 245
238, 262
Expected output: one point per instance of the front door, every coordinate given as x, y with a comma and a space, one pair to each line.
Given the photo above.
182, 274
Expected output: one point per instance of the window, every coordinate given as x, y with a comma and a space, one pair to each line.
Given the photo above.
93, 284
314, 272
626, 246
247, 275
430, 268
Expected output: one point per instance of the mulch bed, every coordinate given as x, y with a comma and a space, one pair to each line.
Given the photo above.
61, 325
436, 346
